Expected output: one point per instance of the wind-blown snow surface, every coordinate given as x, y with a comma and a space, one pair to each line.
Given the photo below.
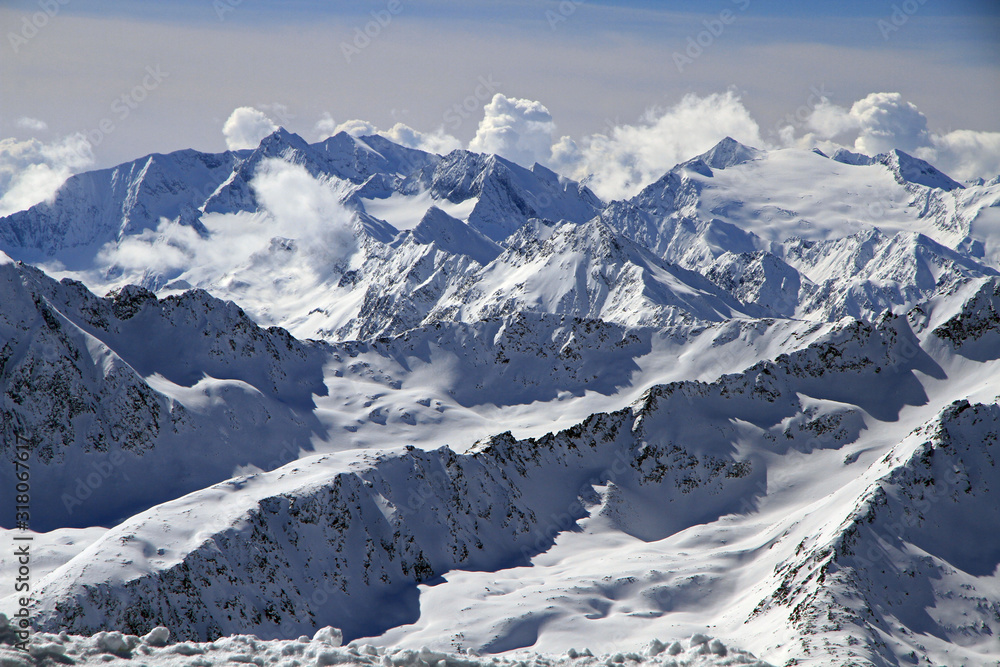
756, 402
324, 648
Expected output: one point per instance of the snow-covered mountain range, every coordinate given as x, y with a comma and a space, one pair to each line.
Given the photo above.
454, 402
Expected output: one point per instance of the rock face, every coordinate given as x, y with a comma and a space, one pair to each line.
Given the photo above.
508, 194
973, 330
358, 390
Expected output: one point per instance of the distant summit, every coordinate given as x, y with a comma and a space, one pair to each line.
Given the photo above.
904, 167
729, 153
908, 169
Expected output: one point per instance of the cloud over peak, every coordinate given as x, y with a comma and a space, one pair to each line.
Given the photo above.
518, 129
245, 128
622, 158
628, 156
615, 162
437, 141
882, 121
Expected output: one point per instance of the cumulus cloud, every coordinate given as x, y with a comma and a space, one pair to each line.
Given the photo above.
517, 129
433, 142
245, 128
278, 112
31, 171
880, 122
964, 154
619, 161
886, 121
617, 164
828, 120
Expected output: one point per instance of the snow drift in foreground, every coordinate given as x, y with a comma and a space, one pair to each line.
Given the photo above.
155, 649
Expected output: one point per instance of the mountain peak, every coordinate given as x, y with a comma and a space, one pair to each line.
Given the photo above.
904, 167
282, 138
909, 169
729, 153
454, 236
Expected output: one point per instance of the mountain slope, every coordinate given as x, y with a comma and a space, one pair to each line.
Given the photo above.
509, 194
107, 391
706, 452
755, 402
487, 509
587, 271
883, 588
100, 207
859, 276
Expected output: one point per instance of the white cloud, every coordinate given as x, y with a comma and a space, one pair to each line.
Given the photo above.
279, 113
628, 157
305, 208
964, 154
32, 171
245, 128
439, 141
294, 205
517, 129
618, 163
886, 121
881, 122
33, 124
829, 120
325, 127
301, 238
433, 142
355, 128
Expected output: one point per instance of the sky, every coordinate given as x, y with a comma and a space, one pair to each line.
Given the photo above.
578, 85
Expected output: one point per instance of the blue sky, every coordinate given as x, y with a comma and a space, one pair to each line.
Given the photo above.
605, 64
